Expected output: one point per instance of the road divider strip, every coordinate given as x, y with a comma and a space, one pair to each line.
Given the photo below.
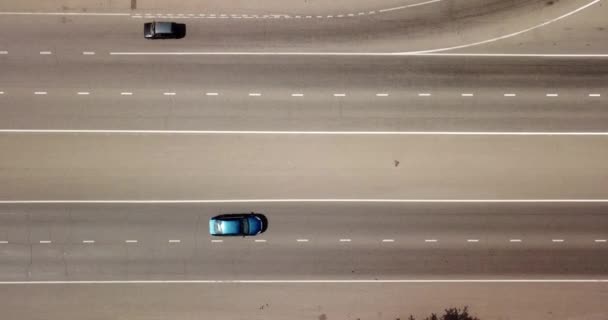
279, 132
320, 281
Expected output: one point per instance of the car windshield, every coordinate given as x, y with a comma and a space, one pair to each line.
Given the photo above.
245, 225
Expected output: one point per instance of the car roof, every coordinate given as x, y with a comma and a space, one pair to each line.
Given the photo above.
163, 27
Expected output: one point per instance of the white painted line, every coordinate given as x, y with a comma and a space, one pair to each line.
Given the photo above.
212, 94
557, 240
83, 93
430, 240
45, 52
388, 240
217, 241
45, 241
3, 242
88, 53
175, 241
408, 6
126, 93
424, 94
345, 240
360, 281
328, 200
297, 94
3, 52
131, 241
169, 93
254, 94
372, 54
1, 92
515, 240
302, 240
339, 94
260, 240
595, 95
9, 13
466, 94
510, 95
513, 34
600, 240
238, 132
381, 94
40, 93
552, 95
88, 241
472, 240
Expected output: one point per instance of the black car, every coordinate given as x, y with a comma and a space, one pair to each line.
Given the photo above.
164, 30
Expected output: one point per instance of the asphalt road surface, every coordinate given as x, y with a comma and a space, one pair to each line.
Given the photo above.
113, 225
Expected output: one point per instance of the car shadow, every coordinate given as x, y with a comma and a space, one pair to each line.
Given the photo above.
180, 30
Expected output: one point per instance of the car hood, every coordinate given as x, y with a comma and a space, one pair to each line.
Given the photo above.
255, 225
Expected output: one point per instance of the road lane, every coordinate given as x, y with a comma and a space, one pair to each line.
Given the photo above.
131, 242
299, 93
445, 24
216, 166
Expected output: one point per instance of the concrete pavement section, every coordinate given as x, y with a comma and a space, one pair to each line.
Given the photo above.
299, 93
241, 166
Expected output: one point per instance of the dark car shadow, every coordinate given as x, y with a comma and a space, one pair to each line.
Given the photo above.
180, 30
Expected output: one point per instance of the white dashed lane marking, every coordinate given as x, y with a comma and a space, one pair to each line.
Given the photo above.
558, 240
382, 94
510, 95
169, 93
1, 92
88, 241
431, 240
254, 94
216, 241
3, 242
472, 240
297, 94
83, 93
88, 53
553, 95
45, 52
302, 240
131, 241
126, 93
40, 93
45, 241
175, 241
260, 240
424, 94
600, 240
3, 52
345, 240
212, 94
388, 240
339, 94
595, 95
466, 94
515, 240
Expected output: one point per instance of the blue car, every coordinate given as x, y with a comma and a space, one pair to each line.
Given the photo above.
238, 224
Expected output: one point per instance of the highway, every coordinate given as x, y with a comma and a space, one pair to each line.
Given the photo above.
395, 182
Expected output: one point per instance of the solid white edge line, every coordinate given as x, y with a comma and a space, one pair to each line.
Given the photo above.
373, 54
354, 281
408, 6
7, 13
166, 201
